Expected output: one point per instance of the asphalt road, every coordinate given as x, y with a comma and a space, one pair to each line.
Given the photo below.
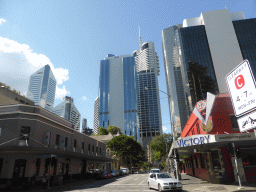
135, 182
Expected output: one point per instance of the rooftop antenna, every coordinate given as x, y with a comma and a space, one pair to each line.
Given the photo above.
140, 40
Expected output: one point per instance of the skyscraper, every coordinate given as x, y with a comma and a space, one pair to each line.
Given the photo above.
96, 116
84, 123
147, 67
118, 105
68, 111
42, 87
217, 40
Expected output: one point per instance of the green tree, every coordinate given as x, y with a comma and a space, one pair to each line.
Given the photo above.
128, 148
158, 146
114, 129
103, 131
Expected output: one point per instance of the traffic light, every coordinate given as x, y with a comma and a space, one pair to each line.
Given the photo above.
230, 149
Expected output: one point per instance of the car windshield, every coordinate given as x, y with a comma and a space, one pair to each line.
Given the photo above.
164, 175
155, 171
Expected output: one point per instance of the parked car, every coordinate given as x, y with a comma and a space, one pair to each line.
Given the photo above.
126, 171
121, 173
163, 182
104, 175
114, 173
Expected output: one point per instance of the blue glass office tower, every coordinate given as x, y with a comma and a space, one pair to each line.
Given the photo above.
118, 102
218, 40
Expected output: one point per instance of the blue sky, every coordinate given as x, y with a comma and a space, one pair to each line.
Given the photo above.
73, 36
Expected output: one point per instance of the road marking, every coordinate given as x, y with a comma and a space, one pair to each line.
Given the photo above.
143, 181
136, 179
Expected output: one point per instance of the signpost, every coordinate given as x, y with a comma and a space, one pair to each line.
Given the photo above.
242, 89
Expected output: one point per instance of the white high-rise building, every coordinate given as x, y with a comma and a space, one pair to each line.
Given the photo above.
147, 68
42, 87
68, 111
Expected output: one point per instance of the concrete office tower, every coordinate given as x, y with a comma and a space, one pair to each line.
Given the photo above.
147, 67
96, 116
42, 87
68, 111
218, 40
118, 104
84, 123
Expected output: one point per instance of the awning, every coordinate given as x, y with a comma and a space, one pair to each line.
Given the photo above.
203, 143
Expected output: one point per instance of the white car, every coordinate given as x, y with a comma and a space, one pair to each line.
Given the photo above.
163, 182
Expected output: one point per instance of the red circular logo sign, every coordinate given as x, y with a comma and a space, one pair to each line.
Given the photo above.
201, 105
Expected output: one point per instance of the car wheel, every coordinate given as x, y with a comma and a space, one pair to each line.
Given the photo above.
159, 187
149, 186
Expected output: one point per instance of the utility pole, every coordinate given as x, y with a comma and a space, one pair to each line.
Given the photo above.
237, 171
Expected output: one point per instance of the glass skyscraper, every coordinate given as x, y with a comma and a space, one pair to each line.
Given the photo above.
68, 111
218, 40
118, 104
147, 67
42, 87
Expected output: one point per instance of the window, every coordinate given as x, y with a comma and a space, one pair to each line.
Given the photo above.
96, 150
215, 159
57, 142
24, 133
82, 147
74, 143
202, 161
196, 161
93, 148
234, 123
66, 142
38, 163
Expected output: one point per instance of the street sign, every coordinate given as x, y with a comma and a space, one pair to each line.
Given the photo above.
242, 88
247, 122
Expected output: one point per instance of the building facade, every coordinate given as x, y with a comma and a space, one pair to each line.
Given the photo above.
118, 104
68, 111
96, 116
216, 40
147, 67
84, 124
42, 87
36, 141
205, 146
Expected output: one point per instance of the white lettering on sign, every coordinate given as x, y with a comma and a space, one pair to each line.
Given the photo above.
193, 141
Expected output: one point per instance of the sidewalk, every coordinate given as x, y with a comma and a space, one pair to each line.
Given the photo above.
190, 183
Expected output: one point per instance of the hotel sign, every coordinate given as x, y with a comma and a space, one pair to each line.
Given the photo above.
195, 140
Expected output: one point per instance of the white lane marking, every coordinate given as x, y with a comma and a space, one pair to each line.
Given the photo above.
143, 181
136, 178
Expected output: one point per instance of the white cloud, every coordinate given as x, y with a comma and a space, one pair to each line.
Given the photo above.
2, 21
84, 98
164, 128
18, 62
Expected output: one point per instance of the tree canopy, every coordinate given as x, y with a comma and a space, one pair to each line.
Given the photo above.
128, 148
158, 146
103, 131
114, 129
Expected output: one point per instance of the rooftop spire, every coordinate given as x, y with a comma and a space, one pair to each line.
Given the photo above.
140, 40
